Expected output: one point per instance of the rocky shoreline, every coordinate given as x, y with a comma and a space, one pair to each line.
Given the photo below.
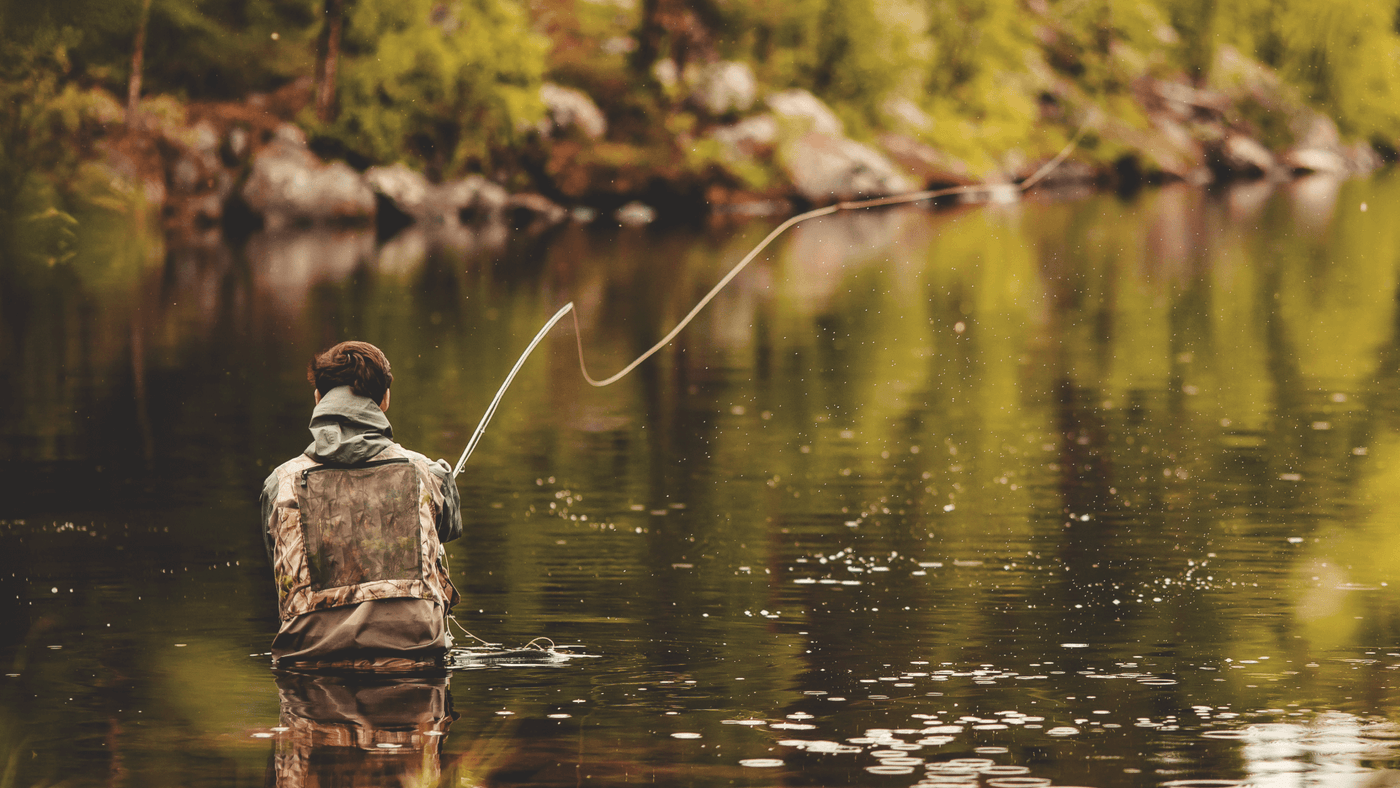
235, 168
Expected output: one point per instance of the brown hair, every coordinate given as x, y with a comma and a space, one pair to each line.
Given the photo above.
359, 365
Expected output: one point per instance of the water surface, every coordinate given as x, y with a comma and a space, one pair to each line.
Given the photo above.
1096, 492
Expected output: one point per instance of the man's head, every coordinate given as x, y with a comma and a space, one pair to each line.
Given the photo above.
359, 365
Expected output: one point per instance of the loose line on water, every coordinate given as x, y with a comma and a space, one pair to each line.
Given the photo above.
848, 205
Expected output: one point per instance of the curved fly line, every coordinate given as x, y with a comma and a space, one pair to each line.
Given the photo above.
848, 205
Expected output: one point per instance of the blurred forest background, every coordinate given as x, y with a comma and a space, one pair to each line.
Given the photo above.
161, 106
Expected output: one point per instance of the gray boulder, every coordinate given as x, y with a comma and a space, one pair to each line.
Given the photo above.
725, 87
800, 107
566, 108
635, 214
1319, 160
533, 212
927, 165
1240, 156
472, 198
826, 168
406, 189
749, 137
288, 184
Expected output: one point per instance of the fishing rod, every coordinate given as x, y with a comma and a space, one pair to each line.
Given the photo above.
848, 205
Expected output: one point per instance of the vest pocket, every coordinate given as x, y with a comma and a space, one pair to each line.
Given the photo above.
360, 524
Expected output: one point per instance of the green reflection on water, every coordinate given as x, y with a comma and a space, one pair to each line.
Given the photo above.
1164, 428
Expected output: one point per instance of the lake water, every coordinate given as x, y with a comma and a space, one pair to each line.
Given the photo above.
1091, 492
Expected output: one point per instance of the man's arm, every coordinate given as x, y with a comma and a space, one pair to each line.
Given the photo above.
449, 522
269, 504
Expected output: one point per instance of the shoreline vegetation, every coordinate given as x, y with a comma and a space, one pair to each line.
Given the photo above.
248, 115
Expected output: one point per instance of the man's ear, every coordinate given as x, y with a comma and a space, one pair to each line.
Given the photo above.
384, 404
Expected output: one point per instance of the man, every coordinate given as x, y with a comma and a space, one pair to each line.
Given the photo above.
354, 528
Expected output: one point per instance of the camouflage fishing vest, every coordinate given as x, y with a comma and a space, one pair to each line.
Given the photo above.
348, 534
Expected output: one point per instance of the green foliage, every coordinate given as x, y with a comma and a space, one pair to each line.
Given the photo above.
39, 119
1341, 53
204, 49
851, 53
439, 84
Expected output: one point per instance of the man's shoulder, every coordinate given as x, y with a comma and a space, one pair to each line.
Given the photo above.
290, 466
439, 468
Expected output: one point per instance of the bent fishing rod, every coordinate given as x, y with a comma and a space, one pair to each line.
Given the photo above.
849, 205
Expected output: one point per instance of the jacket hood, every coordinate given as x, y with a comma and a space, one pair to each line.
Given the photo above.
347, 428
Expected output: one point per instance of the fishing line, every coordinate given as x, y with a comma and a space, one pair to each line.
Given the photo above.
849, 205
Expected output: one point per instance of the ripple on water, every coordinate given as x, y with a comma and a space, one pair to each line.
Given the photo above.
819, 746
952, 770
975, 764
761, 763
1005, 771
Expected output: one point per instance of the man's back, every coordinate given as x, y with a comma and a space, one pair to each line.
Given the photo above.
354, 528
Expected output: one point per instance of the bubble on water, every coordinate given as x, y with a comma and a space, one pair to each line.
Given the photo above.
744, 722
685, 735
1018, 782
560, 716
902, 760
1063, 730
991, 751
885, 769
1074, 645
761, 763
792, 726
799, 715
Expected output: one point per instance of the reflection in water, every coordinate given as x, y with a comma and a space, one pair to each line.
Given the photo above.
361, 730
1098, 492
1332, 749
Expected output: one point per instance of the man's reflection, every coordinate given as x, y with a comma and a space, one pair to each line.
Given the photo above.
361, 730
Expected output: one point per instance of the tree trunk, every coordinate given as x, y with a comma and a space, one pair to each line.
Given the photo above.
328, 60
133, 83
678, 29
